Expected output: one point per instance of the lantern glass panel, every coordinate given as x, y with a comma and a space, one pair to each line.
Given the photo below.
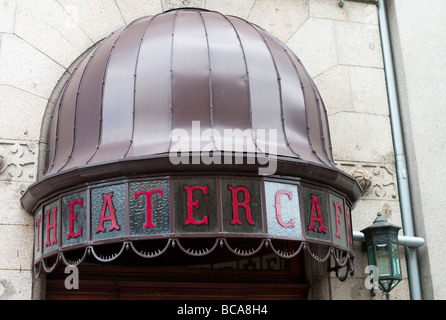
394, 283
385, 285
396, 260
371, 254
383, 260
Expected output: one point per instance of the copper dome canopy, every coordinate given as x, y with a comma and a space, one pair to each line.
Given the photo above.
115, 114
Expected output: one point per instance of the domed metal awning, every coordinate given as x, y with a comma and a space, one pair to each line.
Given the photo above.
190, 124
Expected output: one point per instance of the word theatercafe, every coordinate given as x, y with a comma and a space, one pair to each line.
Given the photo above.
206, 207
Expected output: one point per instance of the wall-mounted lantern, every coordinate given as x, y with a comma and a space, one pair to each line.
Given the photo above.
381, 240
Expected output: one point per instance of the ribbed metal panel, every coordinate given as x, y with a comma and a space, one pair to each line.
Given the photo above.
116, 112
163, 72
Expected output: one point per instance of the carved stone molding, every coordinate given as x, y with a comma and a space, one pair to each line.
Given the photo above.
364, 178
378, 181
18, 160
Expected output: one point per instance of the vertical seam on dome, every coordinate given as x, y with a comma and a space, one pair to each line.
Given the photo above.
134, 84
57, 106
305, 99
171, 79
254, 138
102, 89
326, 135
58, 118
74, 116
91, 55
279, 81
211, 104
286, 50
321, 128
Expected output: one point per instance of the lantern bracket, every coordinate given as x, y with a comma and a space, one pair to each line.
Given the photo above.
407, 241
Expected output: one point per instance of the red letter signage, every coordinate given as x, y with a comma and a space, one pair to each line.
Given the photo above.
315, 205
166, 210
278, 213
349, 232
51, 226
73, 217
148, 194
38, 232
338, 208
194, 204
107, 202
236, 205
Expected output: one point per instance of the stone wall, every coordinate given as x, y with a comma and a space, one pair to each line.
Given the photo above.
340, 47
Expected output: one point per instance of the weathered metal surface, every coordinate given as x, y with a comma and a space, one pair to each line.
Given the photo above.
163, 72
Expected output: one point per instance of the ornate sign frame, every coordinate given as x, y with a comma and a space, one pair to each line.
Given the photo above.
173, 208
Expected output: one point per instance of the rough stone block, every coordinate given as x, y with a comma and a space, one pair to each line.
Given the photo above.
240, 8
24, 67
281, 18
369, 91
171, 4
360, 137
365, 212
12, 211
358, 44
16, 242
7, 18
334, 87
315, 44
49, 28
20, 113
96, 18
351, 11
15, 284
132, 10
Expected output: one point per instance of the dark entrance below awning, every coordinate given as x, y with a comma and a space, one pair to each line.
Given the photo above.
220, 275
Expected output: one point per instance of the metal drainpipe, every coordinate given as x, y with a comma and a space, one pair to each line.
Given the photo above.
400, 158
412, 242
